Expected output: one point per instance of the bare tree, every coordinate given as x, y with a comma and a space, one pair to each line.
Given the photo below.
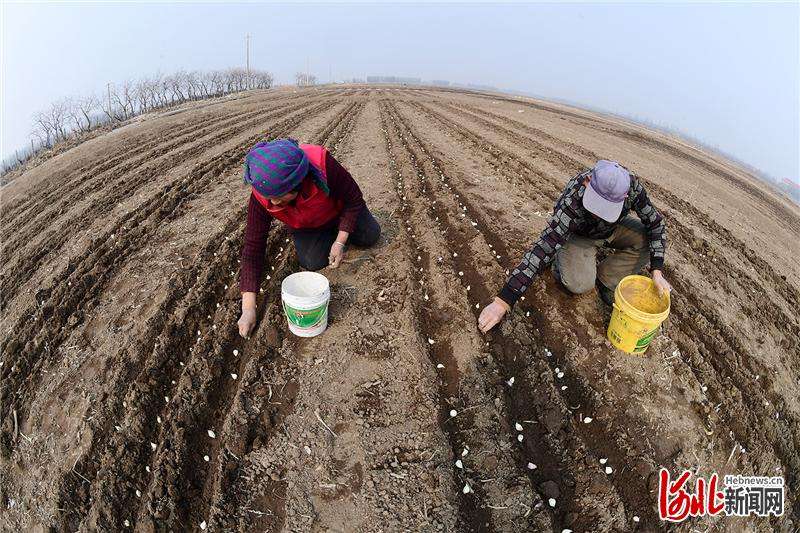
79, 112
177, 87
150, 88
42, 129
193, 85
58, 116
142, 96
76, 116
264, 80
87, 106
163, 90
305, 80
108, 106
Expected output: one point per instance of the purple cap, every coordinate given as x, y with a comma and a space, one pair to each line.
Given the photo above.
607, 189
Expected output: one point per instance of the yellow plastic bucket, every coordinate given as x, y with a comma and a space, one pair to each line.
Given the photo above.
638, 312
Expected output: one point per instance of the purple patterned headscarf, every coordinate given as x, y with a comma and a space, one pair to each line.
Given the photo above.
276, 167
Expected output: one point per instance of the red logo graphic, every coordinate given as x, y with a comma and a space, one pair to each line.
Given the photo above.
675, 504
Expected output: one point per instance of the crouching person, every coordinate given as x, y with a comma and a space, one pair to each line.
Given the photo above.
592, 212
303, 186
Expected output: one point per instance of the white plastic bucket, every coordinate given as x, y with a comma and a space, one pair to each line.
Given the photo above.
305, 297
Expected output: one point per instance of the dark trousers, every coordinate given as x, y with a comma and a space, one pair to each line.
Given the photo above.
314, 245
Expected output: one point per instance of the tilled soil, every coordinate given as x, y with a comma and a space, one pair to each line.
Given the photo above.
128, 400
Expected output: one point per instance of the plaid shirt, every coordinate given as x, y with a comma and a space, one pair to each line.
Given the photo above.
570, 217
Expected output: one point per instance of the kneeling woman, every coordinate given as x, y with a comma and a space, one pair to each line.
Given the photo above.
303, 186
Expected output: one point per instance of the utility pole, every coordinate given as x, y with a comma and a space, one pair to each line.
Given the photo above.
307, 68
330, 73
247, 47
108, 86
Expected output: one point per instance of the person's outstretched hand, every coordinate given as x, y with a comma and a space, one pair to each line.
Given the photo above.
247, 322
662, 284
336, 254
492, 314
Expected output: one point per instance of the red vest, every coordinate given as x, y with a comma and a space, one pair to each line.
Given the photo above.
311, 208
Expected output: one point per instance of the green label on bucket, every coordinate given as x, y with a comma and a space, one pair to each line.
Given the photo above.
644, 342
305, 318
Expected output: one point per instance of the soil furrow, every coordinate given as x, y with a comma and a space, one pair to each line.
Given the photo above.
429, 311
128, 400
139, 408
779, 319
62, 305
178, 337
698, 252
177, 485
785, 452
336, 131
557, 455
679, 205
120, 164
123, 187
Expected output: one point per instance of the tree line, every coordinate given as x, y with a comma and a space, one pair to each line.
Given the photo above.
304, 79
72, 118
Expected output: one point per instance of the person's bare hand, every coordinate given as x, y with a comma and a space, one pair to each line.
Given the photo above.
662, 284
247, 322
492, 314
336, 255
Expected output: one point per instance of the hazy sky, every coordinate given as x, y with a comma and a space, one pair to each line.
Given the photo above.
725, 73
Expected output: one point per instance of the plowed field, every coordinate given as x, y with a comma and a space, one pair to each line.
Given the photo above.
129, 401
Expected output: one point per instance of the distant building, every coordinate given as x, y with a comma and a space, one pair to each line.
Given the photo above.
479, 87
394, 79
